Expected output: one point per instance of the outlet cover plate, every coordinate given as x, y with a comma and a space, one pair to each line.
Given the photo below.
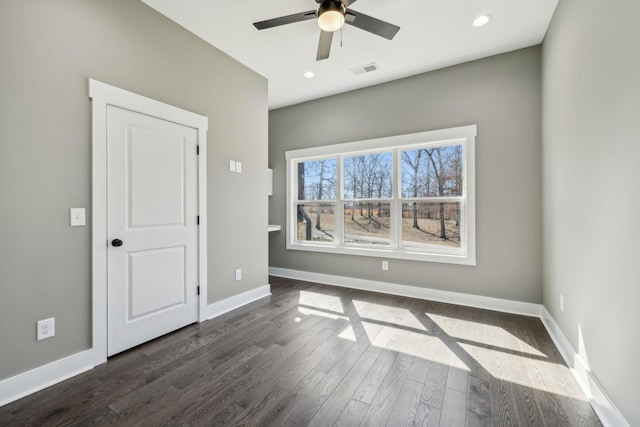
46, 328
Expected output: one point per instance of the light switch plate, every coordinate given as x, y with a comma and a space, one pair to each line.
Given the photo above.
238, 167
77, 217
232, 165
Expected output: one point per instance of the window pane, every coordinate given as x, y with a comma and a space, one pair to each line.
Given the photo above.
368, 176
315, 222
427, 224
367, 223
432, 172
317, 180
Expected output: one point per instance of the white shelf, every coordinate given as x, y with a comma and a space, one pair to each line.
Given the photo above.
273, 227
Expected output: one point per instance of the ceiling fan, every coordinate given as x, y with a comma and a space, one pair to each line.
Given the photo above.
332, 15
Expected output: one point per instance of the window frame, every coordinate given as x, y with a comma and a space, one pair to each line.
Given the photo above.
463, 135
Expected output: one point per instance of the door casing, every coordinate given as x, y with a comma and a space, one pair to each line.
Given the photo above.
102, 95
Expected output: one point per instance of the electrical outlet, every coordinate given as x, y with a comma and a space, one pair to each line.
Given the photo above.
46, 328
561, 302
238, 274
238, 167
232, 165
385, 265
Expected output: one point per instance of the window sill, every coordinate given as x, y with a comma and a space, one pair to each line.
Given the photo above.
392, 253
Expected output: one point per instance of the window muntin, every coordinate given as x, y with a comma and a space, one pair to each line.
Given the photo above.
409, 196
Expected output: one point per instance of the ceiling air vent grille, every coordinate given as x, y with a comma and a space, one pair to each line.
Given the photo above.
364, 69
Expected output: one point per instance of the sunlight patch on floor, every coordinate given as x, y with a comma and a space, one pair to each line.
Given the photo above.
310, 311
321, 301
412, 343
492, 335
387, 314
526, 371
348, 334
374, 311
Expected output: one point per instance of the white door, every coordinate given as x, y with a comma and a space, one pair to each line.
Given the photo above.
151, 226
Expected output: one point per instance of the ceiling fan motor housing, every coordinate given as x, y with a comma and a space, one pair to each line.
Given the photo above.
334, 19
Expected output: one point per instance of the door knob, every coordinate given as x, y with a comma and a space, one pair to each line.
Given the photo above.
116, 242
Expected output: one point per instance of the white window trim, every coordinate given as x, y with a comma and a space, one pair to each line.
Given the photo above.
464, 135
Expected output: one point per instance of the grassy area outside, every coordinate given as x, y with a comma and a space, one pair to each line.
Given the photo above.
375, 230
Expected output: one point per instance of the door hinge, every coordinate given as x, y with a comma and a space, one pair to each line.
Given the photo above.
198, 220
198, 289
197, 150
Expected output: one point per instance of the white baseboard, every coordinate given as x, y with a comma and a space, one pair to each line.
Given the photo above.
606, 410
600, 401
218, 308
489, 303
36, 379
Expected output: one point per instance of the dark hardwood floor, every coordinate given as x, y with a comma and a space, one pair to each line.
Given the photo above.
315, 355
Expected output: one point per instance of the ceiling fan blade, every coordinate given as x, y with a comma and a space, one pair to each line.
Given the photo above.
371, 24
324, 45
283, 20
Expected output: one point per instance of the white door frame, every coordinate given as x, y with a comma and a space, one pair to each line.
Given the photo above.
102, 95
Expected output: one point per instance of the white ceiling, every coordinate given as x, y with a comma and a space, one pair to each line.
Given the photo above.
433, 34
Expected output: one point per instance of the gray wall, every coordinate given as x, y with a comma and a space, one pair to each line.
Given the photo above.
48, 50
502, 95
591, 150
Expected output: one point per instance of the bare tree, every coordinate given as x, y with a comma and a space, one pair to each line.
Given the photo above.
302, 215
351, 182
414, 165
322, 166
437, 169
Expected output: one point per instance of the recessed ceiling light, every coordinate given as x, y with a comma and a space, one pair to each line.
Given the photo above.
481, 20
309, 74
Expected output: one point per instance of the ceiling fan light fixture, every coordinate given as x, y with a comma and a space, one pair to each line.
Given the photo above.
330, 16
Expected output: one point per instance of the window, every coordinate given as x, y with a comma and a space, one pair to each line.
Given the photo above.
407, 197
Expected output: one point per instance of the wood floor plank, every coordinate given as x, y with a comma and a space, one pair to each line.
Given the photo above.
478, 397
454, 409
435, 385
294, 399
330, 411
426, 416
369, 387
384, 400
524, 395
419, 370
312, 354
334, 378
476, 420
352, 414
405, 409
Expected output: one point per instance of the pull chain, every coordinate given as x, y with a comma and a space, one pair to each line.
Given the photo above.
341, 35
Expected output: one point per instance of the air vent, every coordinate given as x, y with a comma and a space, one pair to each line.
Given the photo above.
364, 69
